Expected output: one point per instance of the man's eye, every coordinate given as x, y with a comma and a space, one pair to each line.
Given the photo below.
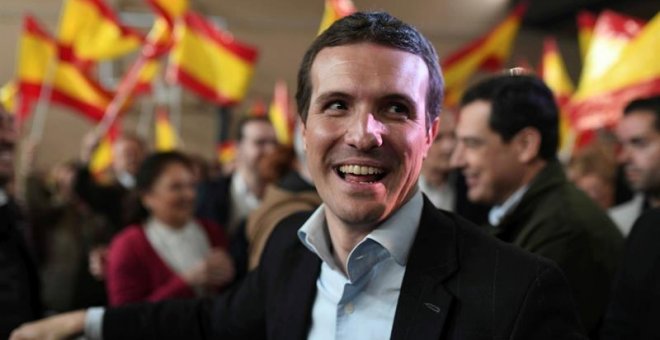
336, 105
398, 110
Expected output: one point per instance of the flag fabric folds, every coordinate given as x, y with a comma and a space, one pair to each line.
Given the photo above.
585, 22
279, 114
488, 53
635, 73
8, 94
170, 10
210, 62
165, 133
335, 10
92, 30
40, 64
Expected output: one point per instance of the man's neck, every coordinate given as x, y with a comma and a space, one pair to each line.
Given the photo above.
344, 238
254, 184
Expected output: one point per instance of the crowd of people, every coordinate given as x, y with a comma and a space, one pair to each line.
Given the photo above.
388, 218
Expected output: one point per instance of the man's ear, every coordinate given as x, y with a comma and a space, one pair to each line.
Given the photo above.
431, 133
303, 132
528, 143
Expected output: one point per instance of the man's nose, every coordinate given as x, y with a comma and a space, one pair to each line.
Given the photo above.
365, 131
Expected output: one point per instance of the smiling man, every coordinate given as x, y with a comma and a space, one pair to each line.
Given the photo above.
507, 145
376, 260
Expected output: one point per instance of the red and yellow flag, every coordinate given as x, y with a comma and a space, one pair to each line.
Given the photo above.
92, 30
279, 114
335, 10
170, 10
226, 151
165, 133
210, 62
585, 22
41, 64
635, 73
554, 74
488, 53
158, 42
612, 32
102, 156
8, 94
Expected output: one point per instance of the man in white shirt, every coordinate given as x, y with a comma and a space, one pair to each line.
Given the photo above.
639, 135
376, 259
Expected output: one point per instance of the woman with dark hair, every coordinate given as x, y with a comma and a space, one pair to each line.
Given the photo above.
167, 253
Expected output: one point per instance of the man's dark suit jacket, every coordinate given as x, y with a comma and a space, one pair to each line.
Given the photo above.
634, 309
460, 283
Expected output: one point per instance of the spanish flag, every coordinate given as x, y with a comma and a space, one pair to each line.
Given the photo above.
102, 155
165, 133
93, 31
170, 10
585, 22
635, 73
41, 64
8, 94
335, 10
210, 62
158, 42
226, 152
612, 32
554, 74
488, 53
280, 114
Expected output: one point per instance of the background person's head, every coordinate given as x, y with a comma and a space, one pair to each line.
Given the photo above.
256, 139
437, 167
127, 153
166, 186
507, 130
368, 89
8, 137
378, 28
639, 135
593, 169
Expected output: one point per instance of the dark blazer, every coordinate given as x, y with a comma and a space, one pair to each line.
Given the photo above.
460, 283
214, 201
556, 220
634, 310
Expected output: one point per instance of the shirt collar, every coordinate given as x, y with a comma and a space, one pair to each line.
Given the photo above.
395, 234
126, 179
498, 212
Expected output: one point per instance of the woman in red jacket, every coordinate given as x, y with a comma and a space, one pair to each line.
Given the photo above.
168, 254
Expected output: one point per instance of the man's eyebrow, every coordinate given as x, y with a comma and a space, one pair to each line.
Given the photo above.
323, 97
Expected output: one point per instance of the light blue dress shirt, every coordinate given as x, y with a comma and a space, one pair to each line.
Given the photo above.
498, 212
361, 304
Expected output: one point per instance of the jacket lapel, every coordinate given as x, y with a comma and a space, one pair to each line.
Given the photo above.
424, 303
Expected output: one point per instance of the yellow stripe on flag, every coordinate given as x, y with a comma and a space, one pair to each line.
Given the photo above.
8, 93
586, 22
166, 137
211, 62
280, 114
93, 31
335, 10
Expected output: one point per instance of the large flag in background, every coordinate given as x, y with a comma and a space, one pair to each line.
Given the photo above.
280, 115
210, 62
40, 64
635, 73
92, 30
165, 133
611, 33
158, 42
488, 53
335, 10
8, 94
170, 10
554, 74
585, 22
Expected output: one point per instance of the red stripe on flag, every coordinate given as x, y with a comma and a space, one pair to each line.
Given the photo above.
200, 25
30, 91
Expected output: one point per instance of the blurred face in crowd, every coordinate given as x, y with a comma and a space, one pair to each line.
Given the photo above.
437, 167
490, 165
599, 189
128, 154
365, 133
258, 140
8, 136
640, 150
171, 198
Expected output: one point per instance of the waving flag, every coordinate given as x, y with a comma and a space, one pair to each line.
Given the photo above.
8, 94
335, 10
586, 22
102, 155
280, 114
40, 58
635, 73
488, 53
92, 31
165, 133
211, 62
170, 10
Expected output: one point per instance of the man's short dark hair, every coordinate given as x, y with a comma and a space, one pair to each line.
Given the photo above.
517, 102
651, 104
247, 120
378, 28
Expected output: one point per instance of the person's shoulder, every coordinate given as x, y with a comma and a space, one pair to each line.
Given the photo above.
129, 235
286, 231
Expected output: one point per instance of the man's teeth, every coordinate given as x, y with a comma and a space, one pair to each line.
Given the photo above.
360, 170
